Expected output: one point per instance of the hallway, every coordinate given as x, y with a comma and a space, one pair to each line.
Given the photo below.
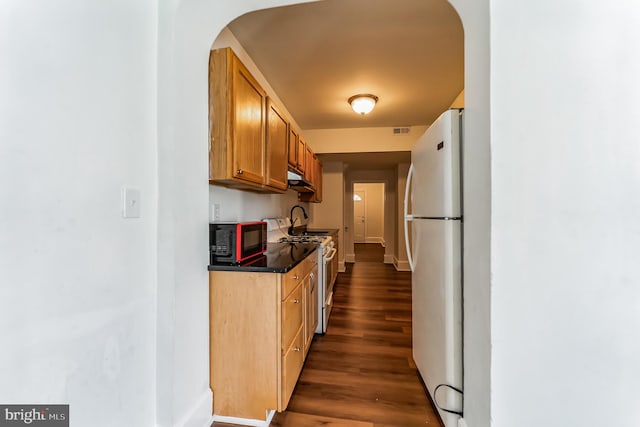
361, 373
369, 252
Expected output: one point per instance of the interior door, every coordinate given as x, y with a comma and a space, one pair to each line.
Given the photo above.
359, 217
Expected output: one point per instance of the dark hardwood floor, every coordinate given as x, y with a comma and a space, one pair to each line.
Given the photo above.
369, 252
361, 373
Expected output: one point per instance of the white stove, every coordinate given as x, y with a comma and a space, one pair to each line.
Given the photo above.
277, 232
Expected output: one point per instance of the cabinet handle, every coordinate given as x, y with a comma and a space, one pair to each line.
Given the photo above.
296, 348
240, 171
296, 277
296, 301
311, 275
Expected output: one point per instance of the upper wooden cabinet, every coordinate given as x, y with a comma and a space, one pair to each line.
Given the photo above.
301, 156
293, 148
316, 179
309, 164
237, 106
276, 148
252, 144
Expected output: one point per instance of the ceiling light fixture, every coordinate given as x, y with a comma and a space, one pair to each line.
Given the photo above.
363, 103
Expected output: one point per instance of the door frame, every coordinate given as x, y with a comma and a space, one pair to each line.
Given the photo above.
388, 177
364, 207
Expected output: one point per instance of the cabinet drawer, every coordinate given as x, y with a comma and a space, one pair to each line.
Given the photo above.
292, 312
292, 362
295, 276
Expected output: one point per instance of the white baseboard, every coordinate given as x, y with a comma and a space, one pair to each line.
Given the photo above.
379, 240
246, 421
388, 259
200, 413
350, 258
401, 265
462, 422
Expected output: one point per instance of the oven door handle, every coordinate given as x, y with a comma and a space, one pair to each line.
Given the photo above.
330, 257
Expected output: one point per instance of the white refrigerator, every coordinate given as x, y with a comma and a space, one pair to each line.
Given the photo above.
433, 196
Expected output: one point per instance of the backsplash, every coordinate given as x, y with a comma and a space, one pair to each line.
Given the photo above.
237, 205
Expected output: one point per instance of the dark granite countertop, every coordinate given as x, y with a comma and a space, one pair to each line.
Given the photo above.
304, 229
279, 258
323, 230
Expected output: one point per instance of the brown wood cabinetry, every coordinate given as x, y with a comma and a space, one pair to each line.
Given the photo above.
301, 160
317, 195
315, 178
297, 151
311, 307
293, 148
277, 141
252, 144
259, 335
309, 164
237, 123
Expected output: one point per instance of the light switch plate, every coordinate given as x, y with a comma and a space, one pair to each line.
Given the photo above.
130, 202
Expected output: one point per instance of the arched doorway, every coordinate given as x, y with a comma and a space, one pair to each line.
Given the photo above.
186, 30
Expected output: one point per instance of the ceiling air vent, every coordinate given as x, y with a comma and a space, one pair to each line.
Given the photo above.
401, 131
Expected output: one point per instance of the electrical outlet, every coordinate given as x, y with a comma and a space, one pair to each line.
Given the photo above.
216, 211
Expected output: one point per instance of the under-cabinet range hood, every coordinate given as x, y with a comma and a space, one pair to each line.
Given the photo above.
298, 183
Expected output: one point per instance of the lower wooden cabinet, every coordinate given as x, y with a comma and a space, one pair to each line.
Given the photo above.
261, 326
292, 361
310, 307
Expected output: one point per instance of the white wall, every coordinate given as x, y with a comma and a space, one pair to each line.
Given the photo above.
374, 210
361, 139
329, 213
77, 294
565, 229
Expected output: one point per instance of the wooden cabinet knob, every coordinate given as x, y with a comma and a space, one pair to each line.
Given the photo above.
296, 349
296, 277
296, 301
240, 171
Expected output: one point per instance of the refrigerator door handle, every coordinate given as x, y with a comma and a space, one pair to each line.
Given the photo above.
408, 217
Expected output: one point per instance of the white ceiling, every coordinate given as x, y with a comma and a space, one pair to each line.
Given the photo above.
316, 55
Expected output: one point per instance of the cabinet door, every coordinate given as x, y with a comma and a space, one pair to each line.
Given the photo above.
317, 180
276, 148
292, 316
308, 165
292, 361
248, 125
301, 155
293, 148
311, 307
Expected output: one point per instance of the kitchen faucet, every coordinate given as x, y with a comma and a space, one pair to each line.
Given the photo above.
291, 216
